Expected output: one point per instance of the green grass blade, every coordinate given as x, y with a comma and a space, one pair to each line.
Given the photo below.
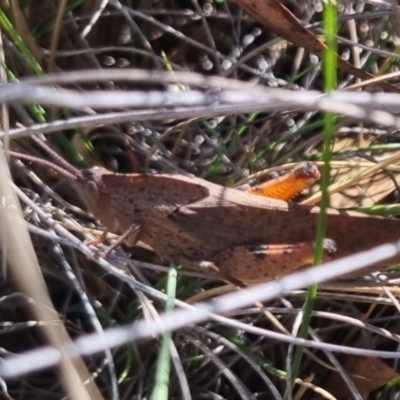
19, 43
35, 109
379, 209
160, 391
330, 78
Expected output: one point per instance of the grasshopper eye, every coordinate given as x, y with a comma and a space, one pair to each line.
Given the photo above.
92, 191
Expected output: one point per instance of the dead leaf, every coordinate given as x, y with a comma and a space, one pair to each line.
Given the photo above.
285, 24
367, 373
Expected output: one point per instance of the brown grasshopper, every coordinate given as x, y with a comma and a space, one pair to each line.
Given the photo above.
242, 236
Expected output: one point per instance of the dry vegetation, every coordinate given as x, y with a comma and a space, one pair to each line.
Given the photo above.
211, 360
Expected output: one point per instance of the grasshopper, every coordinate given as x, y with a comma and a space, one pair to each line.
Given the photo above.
244, 236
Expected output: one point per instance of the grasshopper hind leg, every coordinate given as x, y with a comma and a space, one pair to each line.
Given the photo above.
259, 263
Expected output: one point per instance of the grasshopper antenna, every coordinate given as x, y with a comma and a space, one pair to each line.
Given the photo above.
68, 173
57, 158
